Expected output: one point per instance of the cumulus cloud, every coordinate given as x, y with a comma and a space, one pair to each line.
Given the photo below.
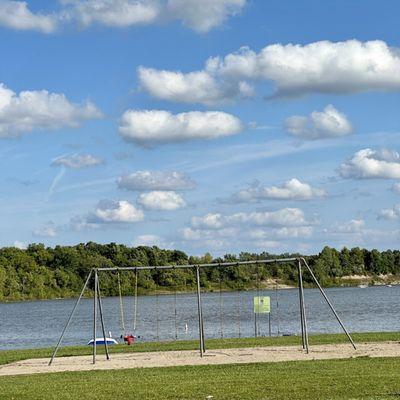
191, 234
149, 128
204, 15
77, 161
151, 240
40, 110
194, 87
390, 213
282, 217
161, 200
292, 189
16, 15
321, 67
47, 231
396, 188
199, 16
156, 180
369, 164
260, 230
352, 226
329, 123
109, 211
115, 13
285, 232
20, 245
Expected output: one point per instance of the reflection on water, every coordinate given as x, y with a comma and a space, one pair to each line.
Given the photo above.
39, 323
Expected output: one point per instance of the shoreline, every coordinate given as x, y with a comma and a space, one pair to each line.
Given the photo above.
270, 284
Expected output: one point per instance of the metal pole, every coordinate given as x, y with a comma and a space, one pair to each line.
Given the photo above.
102, 319
238, 314
303, 307
157, 315
199, 311
329, 303
269, 323
221, 317
136, 301
175, 315
303, 341
277, 309
95, 316
121, 305
202, 319
70, 318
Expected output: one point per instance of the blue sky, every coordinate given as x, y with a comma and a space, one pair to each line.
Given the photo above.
115, 127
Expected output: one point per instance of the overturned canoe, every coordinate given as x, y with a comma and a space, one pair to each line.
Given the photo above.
100, 341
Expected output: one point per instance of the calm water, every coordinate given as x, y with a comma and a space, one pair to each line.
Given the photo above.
39, 323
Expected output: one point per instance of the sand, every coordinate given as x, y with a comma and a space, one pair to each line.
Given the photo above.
223, 356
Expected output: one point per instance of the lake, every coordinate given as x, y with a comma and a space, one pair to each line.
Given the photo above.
39, 323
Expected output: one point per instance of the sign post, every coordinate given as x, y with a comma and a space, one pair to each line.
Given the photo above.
262, 305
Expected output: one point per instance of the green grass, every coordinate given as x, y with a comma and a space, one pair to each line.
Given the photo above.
7, 356
360, 378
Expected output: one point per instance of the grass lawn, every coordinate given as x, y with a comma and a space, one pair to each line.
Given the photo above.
8, 356
359, 378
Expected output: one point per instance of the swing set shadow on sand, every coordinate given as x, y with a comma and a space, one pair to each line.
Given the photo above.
299, 262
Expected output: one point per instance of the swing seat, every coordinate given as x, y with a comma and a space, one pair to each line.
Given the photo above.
129, 339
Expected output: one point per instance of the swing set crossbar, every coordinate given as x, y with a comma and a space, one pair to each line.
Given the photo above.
222, 264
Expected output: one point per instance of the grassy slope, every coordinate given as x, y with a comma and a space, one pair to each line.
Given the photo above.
360, 378
8, 356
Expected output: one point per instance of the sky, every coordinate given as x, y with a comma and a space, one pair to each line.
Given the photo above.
217, 126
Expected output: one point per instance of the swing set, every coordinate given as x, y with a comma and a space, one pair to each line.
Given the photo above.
299, 263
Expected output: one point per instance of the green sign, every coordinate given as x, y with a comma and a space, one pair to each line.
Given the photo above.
262, 305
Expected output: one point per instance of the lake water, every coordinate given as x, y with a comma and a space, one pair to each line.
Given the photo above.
39, 323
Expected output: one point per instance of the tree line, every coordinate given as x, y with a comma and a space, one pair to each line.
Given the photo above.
40, 272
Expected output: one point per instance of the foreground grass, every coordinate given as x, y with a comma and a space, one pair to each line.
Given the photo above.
8, 356
360, 378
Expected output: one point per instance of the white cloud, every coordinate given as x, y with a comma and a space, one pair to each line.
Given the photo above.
209, 221
156, 180
151, 240
396, 188
390, 213
161, 200
368, 164
115, 13
153, 127
46, 231
16, 15
285, 232
77, 161
253, 230
320, 67
20, 245
40, 110
352, 226
330, 123
283, 217
204, 15
122, 211
189, 233
292, 189
194, 87
199, 16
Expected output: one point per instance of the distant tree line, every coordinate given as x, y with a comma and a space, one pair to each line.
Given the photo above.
40, 272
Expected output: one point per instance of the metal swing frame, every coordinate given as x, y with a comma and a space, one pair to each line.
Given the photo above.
299, 262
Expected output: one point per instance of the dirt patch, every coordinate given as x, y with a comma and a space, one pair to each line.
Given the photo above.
223, 356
